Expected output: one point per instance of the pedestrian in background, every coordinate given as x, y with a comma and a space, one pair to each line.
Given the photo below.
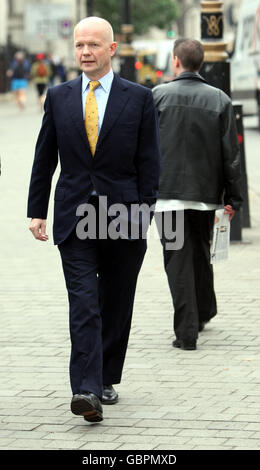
61, 71
50, 59
200, 172
104, 129
40, 73
19, 72
58, 70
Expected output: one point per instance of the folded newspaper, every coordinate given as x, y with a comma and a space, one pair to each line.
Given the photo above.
221, 237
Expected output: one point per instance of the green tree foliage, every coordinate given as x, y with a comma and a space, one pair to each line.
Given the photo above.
144, 13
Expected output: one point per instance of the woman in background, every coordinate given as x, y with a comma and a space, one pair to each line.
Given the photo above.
19, 73
40, 73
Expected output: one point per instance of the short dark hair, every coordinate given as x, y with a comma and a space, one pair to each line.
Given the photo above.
190, 53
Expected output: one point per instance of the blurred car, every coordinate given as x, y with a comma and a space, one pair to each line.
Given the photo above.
153, 65
146, 70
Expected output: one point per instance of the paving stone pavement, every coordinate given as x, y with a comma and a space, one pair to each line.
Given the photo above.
169, 399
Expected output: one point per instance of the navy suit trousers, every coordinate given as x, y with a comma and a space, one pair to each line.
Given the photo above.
101, 276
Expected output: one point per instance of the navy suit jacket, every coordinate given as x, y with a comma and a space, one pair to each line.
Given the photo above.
126, 164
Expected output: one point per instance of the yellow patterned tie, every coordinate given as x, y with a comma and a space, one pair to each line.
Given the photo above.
91, 116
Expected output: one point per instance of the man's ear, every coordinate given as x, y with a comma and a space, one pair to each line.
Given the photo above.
177, 62
113, 47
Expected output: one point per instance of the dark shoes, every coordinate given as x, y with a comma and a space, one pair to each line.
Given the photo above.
87, 405
202, 325
191, 344
187, 345
109, 396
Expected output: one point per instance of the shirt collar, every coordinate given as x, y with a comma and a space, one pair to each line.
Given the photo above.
105, 81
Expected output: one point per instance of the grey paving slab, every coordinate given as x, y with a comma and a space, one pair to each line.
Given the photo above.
203, 399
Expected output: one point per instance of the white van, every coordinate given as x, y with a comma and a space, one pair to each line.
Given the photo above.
245, 62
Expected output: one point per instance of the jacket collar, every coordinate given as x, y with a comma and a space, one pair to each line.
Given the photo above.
190, 76
116, 102
117, 81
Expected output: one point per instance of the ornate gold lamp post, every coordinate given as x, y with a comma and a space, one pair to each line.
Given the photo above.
216, 68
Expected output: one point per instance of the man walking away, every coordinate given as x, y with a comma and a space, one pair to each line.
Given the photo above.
200, 173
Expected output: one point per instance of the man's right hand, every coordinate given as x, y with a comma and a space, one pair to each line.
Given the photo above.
38, 229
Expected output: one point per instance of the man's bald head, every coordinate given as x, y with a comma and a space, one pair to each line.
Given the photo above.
94, 22
94, 46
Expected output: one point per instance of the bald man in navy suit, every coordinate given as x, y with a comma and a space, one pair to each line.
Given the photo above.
100, 271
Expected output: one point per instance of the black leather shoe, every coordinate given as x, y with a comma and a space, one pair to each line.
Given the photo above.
202, 325
87, 405
109, 396
187, 345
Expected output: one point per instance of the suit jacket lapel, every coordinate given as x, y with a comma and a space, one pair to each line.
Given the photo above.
117, 100
75, 108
